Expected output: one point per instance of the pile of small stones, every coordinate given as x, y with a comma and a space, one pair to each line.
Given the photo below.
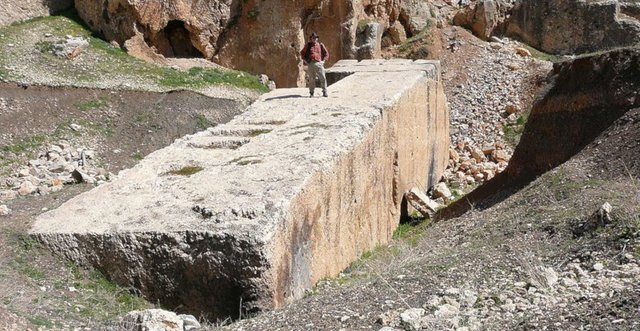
482, 107
530, 299
60, 164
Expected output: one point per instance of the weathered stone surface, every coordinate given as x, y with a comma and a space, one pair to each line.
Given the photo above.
315, 183
483, 17
19, 10
253, 35
573, 26
421, 202
155, 320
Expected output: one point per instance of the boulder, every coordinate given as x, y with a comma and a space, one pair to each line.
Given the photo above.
572, 26
152, 320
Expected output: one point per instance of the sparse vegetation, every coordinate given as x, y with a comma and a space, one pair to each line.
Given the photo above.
203, 122
253, 13
186, 171
28, 144
93, 104
44, 46
513, 132
101, 64
540, 55
255, 133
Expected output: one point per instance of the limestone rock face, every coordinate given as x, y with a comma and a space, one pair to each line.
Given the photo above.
256, 211
19, 10
253, 35
181, 28
483, 17
574, 26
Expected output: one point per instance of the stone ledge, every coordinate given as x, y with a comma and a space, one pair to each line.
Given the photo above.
314, 184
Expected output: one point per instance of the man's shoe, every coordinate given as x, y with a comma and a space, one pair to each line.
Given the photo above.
311, 95
324, 94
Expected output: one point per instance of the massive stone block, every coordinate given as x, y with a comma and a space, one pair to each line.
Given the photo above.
257, 210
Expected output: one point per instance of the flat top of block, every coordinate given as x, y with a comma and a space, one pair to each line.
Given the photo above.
431, 67
243, 173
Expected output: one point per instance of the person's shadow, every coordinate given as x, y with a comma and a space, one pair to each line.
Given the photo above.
290, 96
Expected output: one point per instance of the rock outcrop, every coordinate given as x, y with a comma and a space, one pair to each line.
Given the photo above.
253, 212
255, 36
19, 10
574, 26
484, 17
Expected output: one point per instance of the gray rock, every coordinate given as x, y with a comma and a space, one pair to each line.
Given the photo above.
153, 320
421, 202
411, 319
190, 322
4, 210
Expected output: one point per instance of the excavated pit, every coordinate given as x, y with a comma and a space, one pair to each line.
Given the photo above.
584, 97
311, 185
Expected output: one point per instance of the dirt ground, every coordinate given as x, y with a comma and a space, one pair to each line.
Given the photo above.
122, 127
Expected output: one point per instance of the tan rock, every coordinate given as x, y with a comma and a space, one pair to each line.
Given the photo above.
476, 153
442, 191
488, 149
578, 26
511, 109
250, 35
523, 51
421, 202
500, 155
27, 188
19, 10
453, 155
265, 217
4, 210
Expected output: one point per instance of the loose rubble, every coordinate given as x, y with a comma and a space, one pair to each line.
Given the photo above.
482, 103
61, 164
546, 290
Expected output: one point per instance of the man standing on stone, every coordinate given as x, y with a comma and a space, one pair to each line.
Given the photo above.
314, 54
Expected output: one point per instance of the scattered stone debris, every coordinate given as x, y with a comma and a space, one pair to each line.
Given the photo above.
159, 320
70, 47
548, 289
482, 103
61, 164
264, 80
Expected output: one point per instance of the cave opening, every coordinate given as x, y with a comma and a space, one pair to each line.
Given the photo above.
177, 41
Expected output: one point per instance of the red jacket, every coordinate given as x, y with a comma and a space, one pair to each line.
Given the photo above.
316, 50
